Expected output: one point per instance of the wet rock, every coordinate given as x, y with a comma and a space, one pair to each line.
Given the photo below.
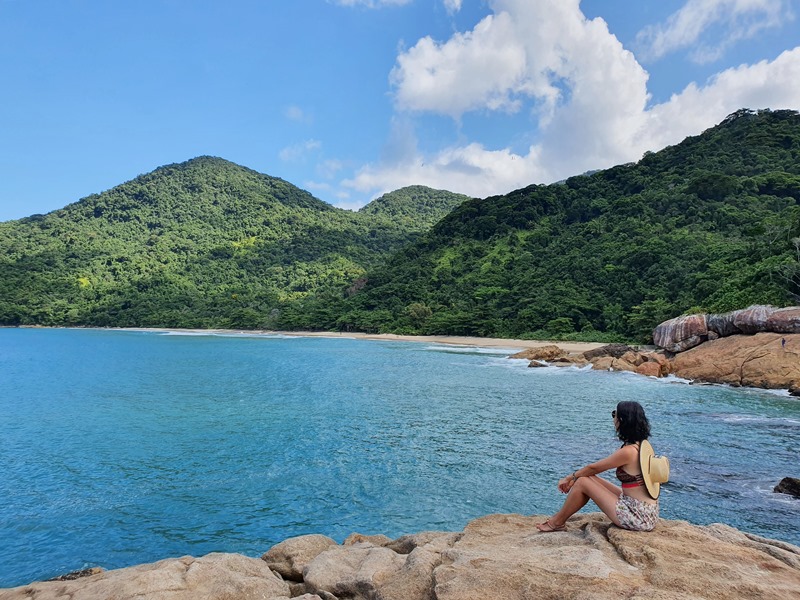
659, 358
569, 361
649, 369
681, 333
537, 363
603, 363
612, 350
609, 363
78, 574
789, 485
633, 357
542, 353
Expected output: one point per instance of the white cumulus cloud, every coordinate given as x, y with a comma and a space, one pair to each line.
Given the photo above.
299, 151
738, 20
585, 96
452, 6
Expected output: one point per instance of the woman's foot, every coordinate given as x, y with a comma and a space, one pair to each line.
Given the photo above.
548, 527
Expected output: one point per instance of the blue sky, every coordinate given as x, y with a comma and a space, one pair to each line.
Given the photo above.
353, 98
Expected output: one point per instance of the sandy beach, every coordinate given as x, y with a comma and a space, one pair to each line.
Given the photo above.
456, 340
451, 339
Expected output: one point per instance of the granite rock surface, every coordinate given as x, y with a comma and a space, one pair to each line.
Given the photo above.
502, 557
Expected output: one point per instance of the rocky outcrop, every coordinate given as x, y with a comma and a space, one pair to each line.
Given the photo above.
758, 346
502, 557
784, 320
289, 558
788, 485
752, 319
542, 353
612, 350
212, 577
681, 333
723, 325
764, 360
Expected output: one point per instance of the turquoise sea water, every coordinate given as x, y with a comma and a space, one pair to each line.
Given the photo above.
119, 448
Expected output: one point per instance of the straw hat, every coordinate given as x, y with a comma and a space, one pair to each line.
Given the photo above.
655, 469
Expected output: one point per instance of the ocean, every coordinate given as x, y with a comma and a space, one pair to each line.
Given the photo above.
125, 447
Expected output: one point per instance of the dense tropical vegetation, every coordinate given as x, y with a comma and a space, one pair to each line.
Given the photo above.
205, 243
710, 224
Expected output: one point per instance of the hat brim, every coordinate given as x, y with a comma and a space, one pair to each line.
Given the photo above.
645, 454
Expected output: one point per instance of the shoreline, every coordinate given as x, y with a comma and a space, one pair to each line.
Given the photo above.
454, 340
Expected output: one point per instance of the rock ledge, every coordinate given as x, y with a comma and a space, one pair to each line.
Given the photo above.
502, 557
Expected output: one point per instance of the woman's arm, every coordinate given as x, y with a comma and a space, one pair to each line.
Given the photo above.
623, 456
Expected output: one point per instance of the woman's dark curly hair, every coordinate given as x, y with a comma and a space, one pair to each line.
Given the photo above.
633, 424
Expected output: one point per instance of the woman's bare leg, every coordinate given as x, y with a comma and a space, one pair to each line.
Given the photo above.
610, 486
585, 489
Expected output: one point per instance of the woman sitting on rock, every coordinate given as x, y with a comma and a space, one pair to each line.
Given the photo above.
634, 505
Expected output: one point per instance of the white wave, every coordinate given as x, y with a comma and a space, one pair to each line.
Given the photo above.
455, 349
673, 379
227, 334
738, 418
185, 333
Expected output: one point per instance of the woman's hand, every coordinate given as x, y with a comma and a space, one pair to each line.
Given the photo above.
565, 484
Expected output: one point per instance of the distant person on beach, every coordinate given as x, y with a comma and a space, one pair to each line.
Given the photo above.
634, 505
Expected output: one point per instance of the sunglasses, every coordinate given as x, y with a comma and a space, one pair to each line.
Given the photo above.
613, 414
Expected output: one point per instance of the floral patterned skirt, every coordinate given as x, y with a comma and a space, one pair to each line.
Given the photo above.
636, 515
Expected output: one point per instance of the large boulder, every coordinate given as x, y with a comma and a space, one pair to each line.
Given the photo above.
352, 572
649, 369
789, 485
575, 360
291, 556
723, 325
681, 333
548, 352
612, 350
415, 580
408, 543
211, 577
784, 320
760, 360
753, 319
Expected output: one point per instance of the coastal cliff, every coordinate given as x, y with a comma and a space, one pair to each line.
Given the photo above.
502, 557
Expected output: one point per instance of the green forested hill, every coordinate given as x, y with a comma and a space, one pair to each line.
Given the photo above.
415, 206
710, 224
205, 243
